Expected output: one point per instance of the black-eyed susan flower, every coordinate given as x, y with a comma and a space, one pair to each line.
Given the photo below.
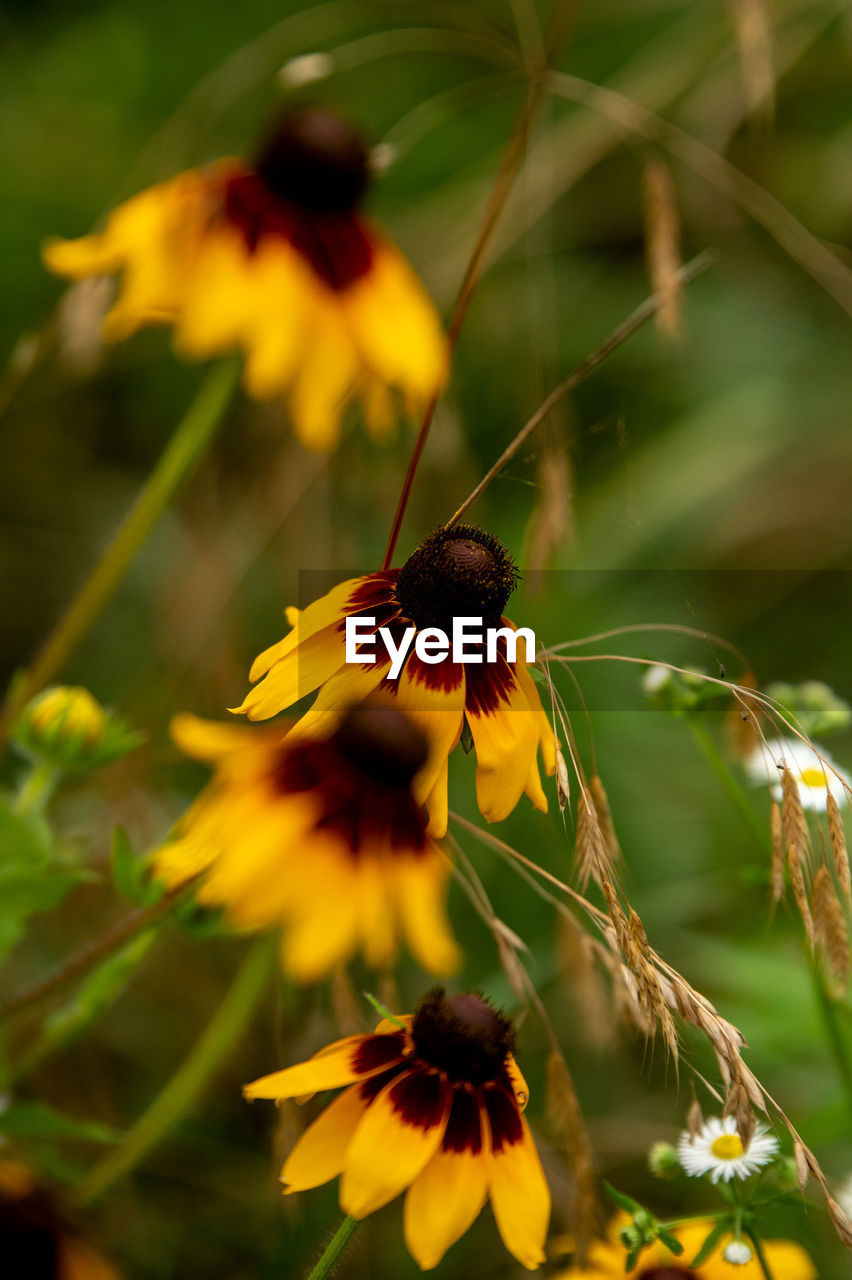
786, 1259
456, 573
320, 836
274, 258
719, 1150
36, 1239
814, 772
434, 1105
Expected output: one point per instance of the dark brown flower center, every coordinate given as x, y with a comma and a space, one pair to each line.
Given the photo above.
382, 742
457, 572
315, 158
666, 1273
463, 1036
29, 1234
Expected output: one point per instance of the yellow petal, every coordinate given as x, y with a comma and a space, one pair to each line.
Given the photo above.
547, 737
433, 697
207, 740
314, 660
395, 326
349, 685
326, 932
328, 371
505, 740
320, 1153
437, 804
326, 611
398, 1136
378, 935
278, 333
442, 1203
421, 890
519, 1195
336, 1065
220, 295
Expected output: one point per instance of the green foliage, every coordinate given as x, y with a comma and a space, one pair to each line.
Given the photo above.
34, 875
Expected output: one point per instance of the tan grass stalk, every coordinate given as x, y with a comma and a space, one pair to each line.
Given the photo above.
797, 879
753, 25
830, 928
837, 836
662, 243
604, 815
777, 835
566, 1119
793, 815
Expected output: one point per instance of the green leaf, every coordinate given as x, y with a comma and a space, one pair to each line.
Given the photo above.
671, 1242
130, 872
623, 1201
100, 989
632, 1258
721, 1229
32, 879
37, 1122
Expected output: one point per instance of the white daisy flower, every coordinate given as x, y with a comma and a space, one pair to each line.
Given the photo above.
719, 1150
814, 771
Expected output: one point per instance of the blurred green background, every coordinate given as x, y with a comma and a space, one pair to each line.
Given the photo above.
680, 463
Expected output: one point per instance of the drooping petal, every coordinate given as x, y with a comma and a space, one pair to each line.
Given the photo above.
314, 660
547, 737
208, 740
395, 326
329, 609
421, 886
448, 1195
505, 734
320, 1153
399, 1134
353, 1058
519, 1192
433, 697
326, 374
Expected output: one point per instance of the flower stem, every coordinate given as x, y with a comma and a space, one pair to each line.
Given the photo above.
180, 1092
336, 1245
36, 789
729, 783
92, 954
510, 165
833, 1031
761, 1256
180, 456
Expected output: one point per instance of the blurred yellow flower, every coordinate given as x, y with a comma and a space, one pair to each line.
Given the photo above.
36, 1238
320, 836
275, 259
787, 1260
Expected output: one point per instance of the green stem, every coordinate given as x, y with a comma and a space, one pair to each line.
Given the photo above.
833, 1033
180, 456
761, 1256
193, 1074
36, 789
335, 1248
731, 787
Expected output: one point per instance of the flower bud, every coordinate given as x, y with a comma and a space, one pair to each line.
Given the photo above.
66, 727
737, 1252
663, 1161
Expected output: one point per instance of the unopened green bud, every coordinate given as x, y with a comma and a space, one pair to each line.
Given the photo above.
663, 1161
66, 727
631, 1238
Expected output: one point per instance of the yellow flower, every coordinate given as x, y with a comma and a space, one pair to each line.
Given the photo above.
35, 1236
455, 573
433, 1105
275, 259
787, 1260
320, 836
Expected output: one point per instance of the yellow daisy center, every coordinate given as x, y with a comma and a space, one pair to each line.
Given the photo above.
813, 778
728, 1146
